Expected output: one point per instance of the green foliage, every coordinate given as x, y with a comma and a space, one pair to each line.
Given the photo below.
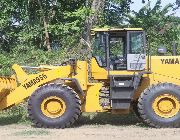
161, 28
22, 31
24, 55
31, 133
22, 22
115, 12
17, 114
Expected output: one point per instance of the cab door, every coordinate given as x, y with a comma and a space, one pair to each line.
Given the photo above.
136, 54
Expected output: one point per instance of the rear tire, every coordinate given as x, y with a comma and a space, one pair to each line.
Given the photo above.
159, 105
54, 106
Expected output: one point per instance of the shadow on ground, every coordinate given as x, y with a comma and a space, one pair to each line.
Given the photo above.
85, 119
105, 118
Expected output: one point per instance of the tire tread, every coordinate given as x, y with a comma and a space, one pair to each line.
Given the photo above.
74, 95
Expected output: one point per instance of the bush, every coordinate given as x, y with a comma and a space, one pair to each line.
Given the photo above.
31, 56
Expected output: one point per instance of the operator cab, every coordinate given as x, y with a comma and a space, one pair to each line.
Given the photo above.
120, 49
120, 54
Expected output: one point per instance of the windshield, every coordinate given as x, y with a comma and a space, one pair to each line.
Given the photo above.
117, 47
99, 49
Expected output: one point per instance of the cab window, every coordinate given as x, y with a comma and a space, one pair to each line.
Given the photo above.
136, 42
99, 49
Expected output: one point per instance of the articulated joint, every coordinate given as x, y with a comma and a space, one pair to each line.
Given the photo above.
75, 81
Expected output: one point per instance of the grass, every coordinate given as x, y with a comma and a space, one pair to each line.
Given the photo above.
15, 115
31, 133
18, 115
107, 118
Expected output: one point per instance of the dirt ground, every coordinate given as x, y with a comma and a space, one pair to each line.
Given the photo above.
88, 127
87, 132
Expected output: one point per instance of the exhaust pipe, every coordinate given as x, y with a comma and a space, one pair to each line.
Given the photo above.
174, 49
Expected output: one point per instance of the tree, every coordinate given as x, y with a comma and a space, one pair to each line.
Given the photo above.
105, 13
96, 7
178, 2
115, 12
161, 28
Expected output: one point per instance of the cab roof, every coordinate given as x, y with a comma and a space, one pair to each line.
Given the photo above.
115, 29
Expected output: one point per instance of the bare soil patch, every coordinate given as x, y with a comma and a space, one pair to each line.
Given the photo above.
89, 127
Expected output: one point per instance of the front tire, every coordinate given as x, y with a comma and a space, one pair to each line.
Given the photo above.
159, 105
54, 106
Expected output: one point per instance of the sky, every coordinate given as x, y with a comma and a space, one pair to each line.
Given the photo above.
138, 5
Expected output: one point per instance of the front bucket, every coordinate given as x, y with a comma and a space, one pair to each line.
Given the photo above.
7, 84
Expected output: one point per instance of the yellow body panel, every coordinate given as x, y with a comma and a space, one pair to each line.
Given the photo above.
166, 69
92, 98
20, 73
95, 30
98, 72
82, 76
115, 29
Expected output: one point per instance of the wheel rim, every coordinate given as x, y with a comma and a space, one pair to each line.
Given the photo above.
166, 106
53, 107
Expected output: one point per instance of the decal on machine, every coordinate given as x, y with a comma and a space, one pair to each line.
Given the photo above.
170, 61
35, 81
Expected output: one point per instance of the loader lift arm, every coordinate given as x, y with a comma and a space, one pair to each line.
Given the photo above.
29, 83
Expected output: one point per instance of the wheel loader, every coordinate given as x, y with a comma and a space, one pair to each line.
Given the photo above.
121, 77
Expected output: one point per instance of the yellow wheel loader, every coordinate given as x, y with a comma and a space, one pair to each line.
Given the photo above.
121, 77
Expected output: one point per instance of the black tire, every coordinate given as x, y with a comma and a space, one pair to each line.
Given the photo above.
135, 109
72, 111
146, 111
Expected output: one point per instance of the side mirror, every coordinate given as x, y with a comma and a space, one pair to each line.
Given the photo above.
162, 50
